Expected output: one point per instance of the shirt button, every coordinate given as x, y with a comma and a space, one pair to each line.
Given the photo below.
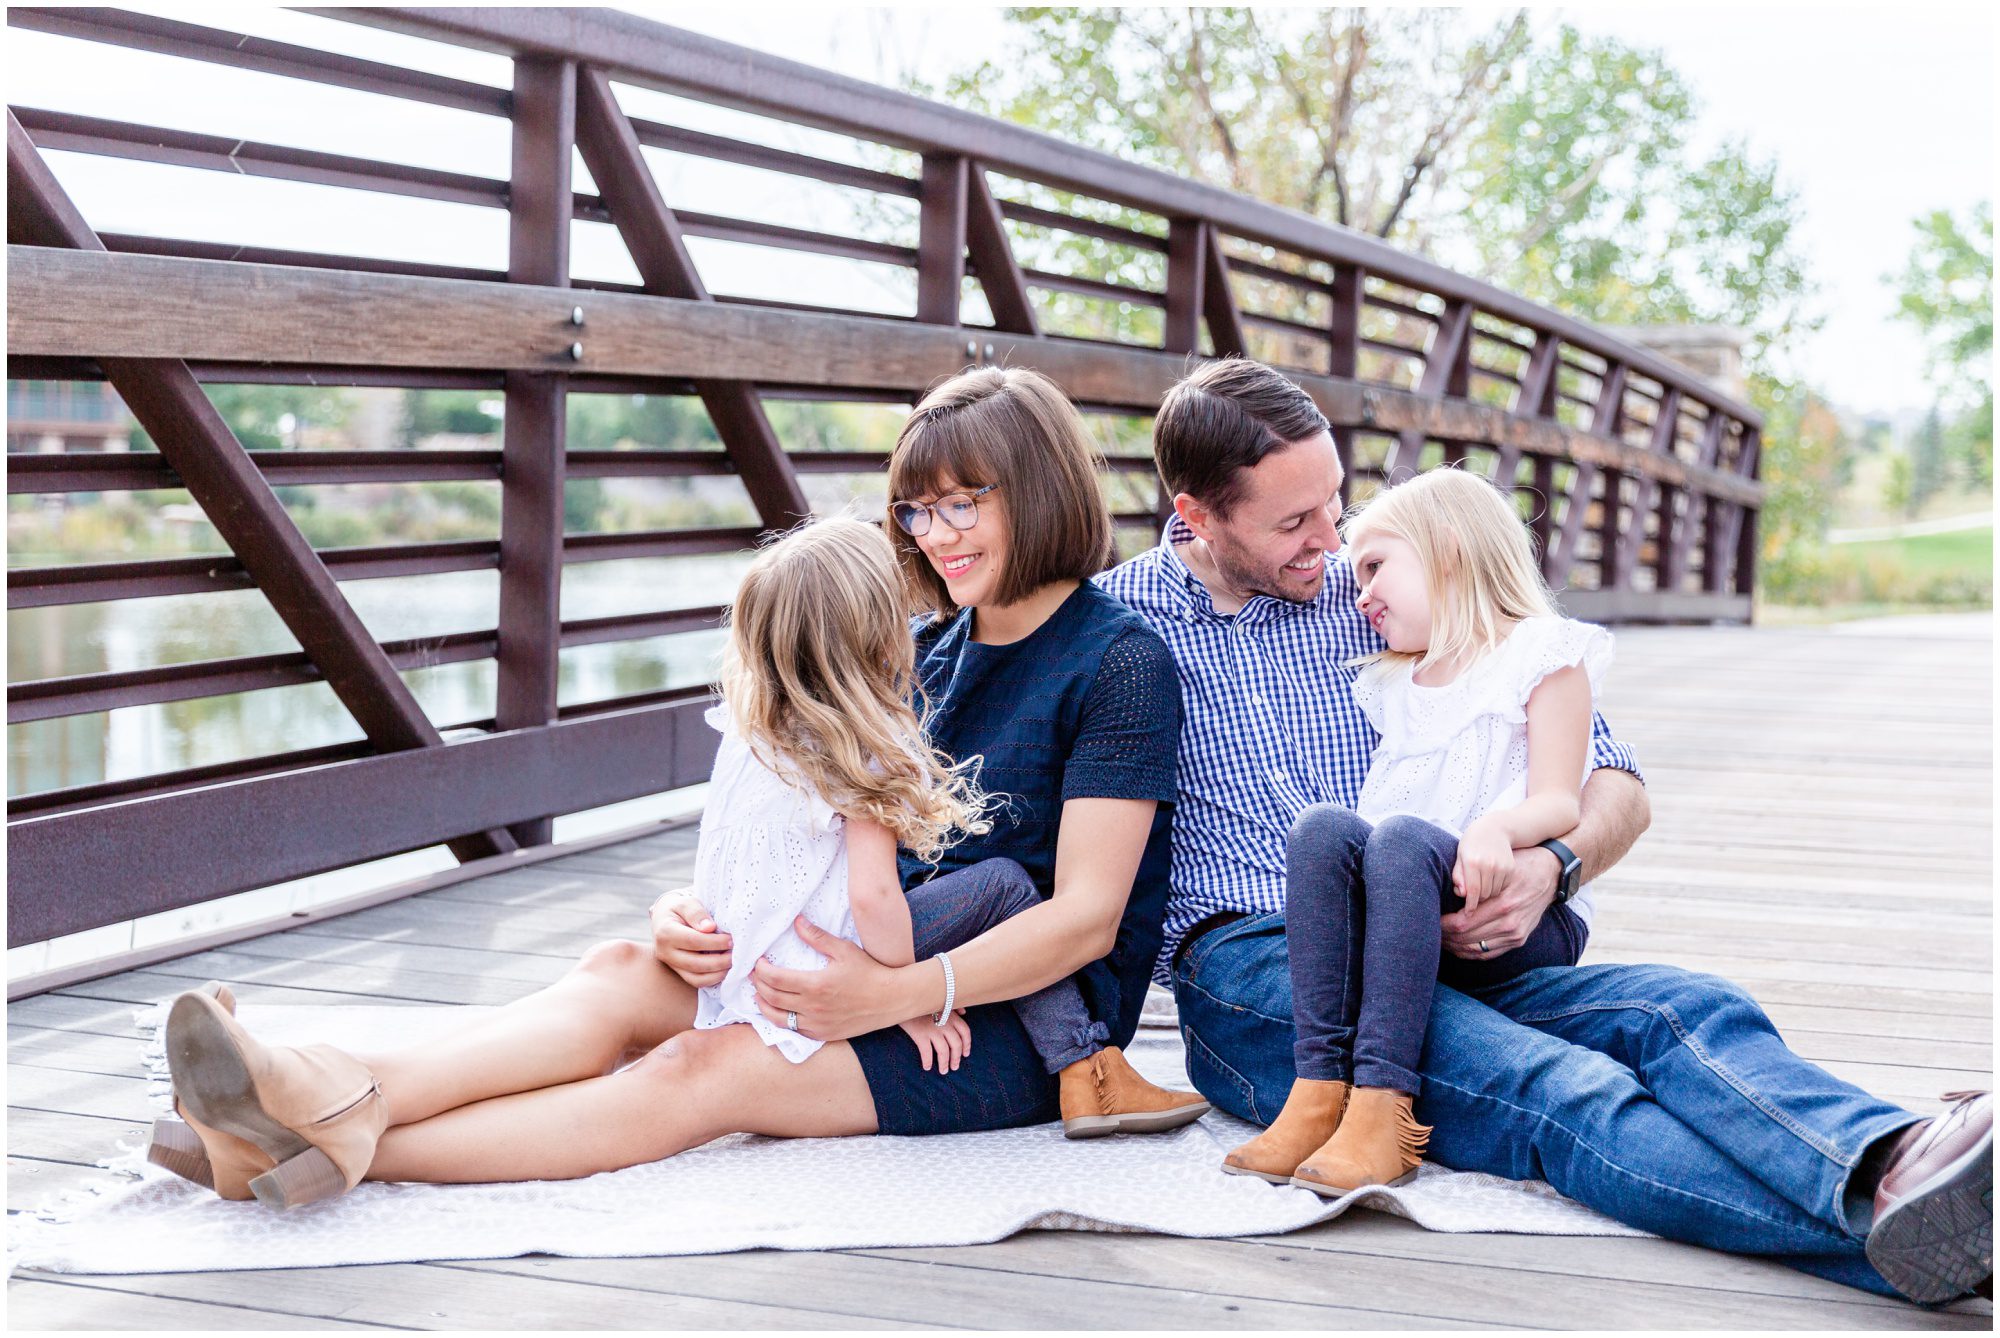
1257, 700
1278, 777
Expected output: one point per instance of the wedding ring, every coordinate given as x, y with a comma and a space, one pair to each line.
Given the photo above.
1482, 948
792, 1019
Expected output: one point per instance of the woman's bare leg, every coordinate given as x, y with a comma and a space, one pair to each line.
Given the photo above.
696, 1086
615, 1004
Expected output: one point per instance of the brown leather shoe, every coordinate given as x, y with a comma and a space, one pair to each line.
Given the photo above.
1105, 1095
315, 1112
182, 1147
1379, 1142
1932, 1237
1312, 1112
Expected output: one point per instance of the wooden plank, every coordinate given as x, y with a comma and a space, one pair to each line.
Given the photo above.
992, 252
44, 1301
1609, 1258
72, 304
119, 1094
1397, 1288
1218, 300
33, 1184
82, 1140
445, 1296
953, 1285
941, 239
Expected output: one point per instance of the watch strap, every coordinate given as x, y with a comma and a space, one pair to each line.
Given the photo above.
1571, 867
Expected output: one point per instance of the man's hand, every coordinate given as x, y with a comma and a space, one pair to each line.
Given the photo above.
1504, 920
949, 1044
686, 940
853, 993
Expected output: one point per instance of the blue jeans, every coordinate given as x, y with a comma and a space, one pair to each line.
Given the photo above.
1659, 1097
1361, 929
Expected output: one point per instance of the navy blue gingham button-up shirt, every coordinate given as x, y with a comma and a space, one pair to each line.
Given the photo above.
1269, 726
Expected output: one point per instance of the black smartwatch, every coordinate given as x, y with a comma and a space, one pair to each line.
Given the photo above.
1571, 876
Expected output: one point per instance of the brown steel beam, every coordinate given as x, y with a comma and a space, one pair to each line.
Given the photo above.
653, 236
1218, 300
66, 303
1609, 414
168, 403
145, 856
1187, 246
535, 426
653, 55
169, 37
1000, 276
1444, 368
941, 240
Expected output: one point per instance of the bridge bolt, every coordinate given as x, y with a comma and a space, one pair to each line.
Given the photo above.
576, 352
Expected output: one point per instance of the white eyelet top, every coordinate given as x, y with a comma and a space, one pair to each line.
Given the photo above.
770, 849
1449, 754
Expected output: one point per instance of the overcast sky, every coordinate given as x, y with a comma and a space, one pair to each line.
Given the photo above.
1874, 116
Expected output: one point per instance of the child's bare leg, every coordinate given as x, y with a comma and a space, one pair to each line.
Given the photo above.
695, 1087
615, 1004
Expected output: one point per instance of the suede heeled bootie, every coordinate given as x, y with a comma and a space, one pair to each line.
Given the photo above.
1105, 1095
314, 1112
1311, 1115
1379, 1142
181, 1148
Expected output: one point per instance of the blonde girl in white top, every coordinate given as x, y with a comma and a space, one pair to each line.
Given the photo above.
822, 771
1483, 697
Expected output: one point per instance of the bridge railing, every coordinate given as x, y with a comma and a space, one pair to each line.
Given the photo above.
1639, 479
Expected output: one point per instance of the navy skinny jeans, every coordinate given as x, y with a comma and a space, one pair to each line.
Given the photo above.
954, 908
1361, 930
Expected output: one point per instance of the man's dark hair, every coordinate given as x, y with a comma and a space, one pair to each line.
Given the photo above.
1225, 417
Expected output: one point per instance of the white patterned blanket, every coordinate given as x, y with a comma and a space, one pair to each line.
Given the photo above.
743, 1192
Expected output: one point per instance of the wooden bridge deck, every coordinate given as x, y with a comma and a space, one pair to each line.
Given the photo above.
1822, 834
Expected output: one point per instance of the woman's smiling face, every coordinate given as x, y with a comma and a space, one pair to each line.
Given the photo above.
970, 561
1395, 597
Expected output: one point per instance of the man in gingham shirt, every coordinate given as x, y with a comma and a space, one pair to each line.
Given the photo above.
1660, 1097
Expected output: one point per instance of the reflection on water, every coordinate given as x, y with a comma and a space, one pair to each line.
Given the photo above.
141, 633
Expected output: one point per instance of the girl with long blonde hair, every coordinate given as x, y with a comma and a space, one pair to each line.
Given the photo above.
1482, 699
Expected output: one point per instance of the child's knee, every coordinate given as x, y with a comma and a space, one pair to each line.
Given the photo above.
1321, 830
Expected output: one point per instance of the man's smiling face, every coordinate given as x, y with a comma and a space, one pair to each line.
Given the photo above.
1285, 522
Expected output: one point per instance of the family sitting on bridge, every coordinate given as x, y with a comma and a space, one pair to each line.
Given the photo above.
1245, 764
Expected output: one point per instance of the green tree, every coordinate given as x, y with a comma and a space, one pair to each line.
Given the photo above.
269, 418
1554, 164
1927, 462
1946, 291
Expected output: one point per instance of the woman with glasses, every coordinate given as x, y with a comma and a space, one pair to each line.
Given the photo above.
1072, 704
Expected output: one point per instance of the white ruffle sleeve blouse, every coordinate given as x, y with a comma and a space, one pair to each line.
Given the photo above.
770, 849
1449, 754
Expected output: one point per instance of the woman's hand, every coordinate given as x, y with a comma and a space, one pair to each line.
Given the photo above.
852, 994
949, 1044
1485, 859
686, 940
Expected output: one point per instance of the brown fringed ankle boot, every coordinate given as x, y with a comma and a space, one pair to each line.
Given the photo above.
1105, 1095
1379, 1142
1312, 1112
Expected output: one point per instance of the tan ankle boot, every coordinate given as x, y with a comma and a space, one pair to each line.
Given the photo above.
1312, 1112
182, 1146
1105, 1095
315, 1111
1379, 1142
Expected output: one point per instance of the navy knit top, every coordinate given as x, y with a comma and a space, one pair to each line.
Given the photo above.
1087, 705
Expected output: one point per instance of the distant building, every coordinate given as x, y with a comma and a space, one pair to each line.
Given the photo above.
45, 417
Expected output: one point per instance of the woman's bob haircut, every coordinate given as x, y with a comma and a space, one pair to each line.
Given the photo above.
1479, 564
1012, 427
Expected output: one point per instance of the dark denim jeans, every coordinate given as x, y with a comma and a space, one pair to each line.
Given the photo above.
1657, 1096
954, 908
1362, 905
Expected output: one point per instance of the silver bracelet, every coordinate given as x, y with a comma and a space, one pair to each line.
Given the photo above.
950, 989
